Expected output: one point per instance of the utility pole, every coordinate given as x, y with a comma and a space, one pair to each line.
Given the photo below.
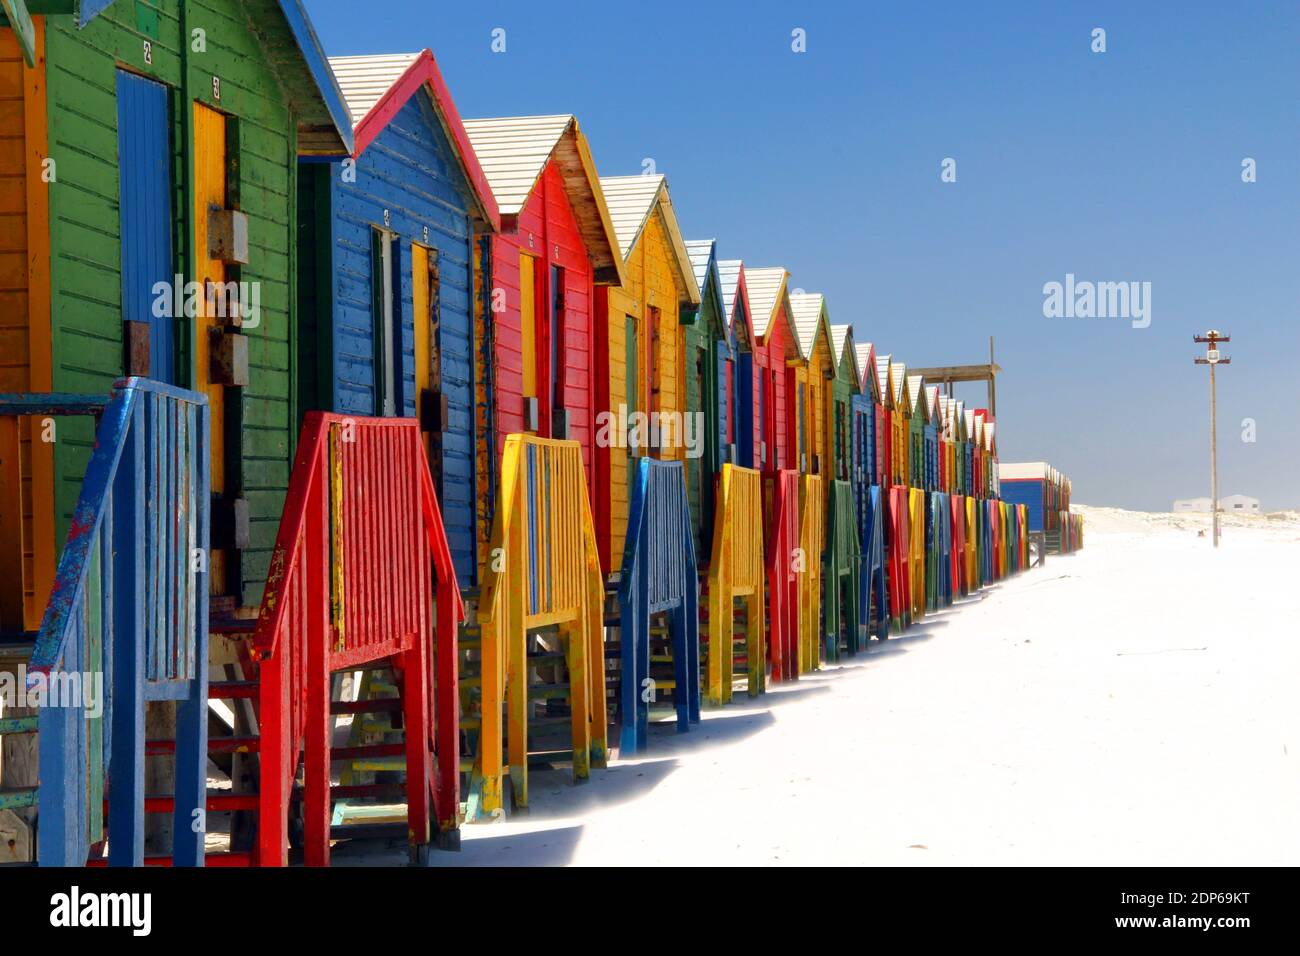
1212, 358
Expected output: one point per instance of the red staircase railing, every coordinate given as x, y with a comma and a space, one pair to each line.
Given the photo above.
782, 518
352, 581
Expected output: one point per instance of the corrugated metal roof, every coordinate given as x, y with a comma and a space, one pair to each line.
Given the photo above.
883, 364
868, 382
807, 310
729, 276
915, 389
700, 252
932, 400
765, 287
513, 152
631, 200
842, 345
363, 80
898, 371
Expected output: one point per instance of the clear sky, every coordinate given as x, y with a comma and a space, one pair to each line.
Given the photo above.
1122, 166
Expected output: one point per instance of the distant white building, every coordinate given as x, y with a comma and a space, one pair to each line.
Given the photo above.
1237, 504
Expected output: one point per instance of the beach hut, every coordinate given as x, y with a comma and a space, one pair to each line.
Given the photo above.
556, 245
989, 462
885, 433
400, 229
957, 417
708, 360
814, 378
1029, 483
640, 374
848, 382
933, 425
902, 437
136, 139
743, 433
918, 419
974, 440
777, 357
843, 567
788, 499
868, 437
866, 408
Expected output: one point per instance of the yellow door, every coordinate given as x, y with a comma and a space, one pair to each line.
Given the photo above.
528, 323
428, 365
209, 193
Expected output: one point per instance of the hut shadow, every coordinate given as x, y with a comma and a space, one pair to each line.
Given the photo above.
489, 845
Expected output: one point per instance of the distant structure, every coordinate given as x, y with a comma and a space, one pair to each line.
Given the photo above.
1234, 504
1239, 504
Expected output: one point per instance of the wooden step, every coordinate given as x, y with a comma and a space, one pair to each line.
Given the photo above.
216, 800
19, 725
233, 689
378, 705
216, 745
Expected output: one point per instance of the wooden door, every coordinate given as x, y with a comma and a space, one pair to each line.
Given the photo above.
145, 203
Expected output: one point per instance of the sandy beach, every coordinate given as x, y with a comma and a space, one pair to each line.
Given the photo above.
1130, 704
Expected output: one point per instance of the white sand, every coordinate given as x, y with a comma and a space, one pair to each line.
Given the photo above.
1131, 704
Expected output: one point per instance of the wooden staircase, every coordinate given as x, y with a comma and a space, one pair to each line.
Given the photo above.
536, 678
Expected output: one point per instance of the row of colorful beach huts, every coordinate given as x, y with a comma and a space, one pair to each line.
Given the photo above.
309, 376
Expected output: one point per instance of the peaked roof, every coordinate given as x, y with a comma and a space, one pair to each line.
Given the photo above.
735, 296
703, 254
632, 200
514, 151
377, 87
768, 290
883, 369
324, 128
868, 372
932, 403
844, 351
916, 391
898, 374
808, 313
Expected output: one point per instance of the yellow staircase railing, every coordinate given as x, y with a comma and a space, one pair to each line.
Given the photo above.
812, 539
542, 570
736, 570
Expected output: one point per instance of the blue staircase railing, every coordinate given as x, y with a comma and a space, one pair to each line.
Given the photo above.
126, 623
873, 606
659, 575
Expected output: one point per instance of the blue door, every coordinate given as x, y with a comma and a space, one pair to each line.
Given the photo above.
144, 171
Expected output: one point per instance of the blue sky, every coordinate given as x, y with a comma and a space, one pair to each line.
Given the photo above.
1115, 166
